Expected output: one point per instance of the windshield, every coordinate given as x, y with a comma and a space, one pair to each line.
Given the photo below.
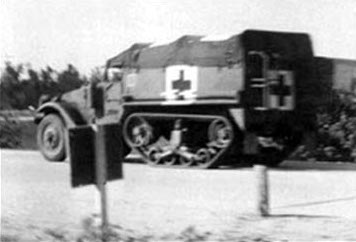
115, 74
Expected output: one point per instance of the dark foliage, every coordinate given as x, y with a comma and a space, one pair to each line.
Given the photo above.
10, 135
336, 135
69, 79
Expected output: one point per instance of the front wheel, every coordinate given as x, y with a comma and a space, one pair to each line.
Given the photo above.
51, 138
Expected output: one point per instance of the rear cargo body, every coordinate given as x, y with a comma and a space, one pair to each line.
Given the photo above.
288, 91
221, 72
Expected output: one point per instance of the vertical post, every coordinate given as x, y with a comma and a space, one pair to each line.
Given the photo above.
101, 175
262, 190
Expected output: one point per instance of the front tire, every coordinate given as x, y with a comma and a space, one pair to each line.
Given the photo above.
51, 138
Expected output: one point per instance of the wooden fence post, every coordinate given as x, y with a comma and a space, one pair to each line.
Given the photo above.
101, 176
262, 190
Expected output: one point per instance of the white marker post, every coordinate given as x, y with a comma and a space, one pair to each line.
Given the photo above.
262, 190
101, 176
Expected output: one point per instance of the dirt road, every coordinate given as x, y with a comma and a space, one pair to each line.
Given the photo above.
308, 201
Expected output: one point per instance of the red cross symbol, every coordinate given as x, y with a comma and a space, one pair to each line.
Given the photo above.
281, 90
181, 84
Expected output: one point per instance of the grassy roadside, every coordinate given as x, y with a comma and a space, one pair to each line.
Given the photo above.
246, 228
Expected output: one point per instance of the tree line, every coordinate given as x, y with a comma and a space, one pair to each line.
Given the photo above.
21, 86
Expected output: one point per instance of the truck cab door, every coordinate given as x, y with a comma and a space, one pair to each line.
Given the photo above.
108, 99
256, 81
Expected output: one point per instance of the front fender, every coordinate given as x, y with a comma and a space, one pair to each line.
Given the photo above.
68, 113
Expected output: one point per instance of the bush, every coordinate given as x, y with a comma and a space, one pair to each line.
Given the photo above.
10, 135
336, 134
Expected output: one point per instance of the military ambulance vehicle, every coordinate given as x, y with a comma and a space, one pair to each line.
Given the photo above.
197, 102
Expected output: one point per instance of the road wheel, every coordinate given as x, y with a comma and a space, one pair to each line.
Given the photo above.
51, 138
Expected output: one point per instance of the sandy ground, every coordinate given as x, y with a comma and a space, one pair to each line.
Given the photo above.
309, 201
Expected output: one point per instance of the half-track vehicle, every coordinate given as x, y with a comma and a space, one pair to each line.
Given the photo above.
198, 101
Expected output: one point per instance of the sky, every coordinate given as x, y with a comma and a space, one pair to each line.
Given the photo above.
86, 33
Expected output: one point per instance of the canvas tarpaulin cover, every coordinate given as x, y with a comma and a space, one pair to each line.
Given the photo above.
187, 50
194, 50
